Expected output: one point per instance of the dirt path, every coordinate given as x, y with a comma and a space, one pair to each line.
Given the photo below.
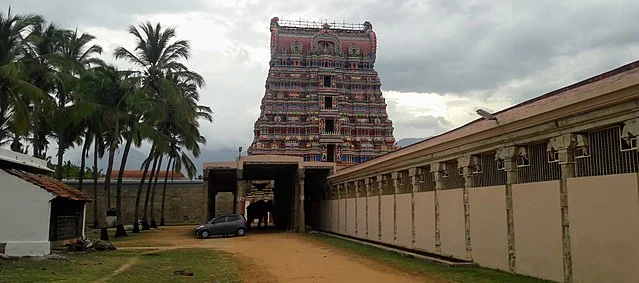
286, 257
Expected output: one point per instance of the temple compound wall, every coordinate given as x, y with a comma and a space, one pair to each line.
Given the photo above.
547, 188
183, 201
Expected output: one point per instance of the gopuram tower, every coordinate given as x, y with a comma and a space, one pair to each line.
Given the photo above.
323, 99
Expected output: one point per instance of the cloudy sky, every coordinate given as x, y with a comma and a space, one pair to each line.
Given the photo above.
438, 60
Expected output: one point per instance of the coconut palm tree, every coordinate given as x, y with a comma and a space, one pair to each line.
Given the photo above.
75, 57
41, 51
15, 89
158, 53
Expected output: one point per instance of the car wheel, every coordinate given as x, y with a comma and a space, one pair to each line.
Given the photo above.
204, 234
241, 232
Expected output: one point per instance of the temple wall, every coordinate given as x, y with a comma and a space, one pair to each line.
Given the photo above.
351, 219
361, 218
604, 230
425, 221
488, 226
386, 220
404, 221
183, 203
373, 218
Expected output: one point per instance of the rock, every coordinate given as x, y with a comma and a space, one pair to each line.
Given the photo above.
103, 246
183, 273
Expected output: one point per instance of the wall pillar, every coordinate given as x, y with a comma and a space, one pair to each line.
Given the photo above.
467, 165
395, 184
239, 192
367, 183
412, 176
357, 195
509, 156
340, 193
380, 179
564, 145
206, 200
347, 190
300, 223
438, 174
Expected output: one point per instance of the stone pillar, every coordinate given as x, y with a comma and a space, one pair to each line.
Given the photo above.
340, 193
239, 192
395, 184
565, 145
367, 184
412, 176
438, 174
509, 156
356, 188
467, 164
206, 202
380, 179
300, 225
347, 189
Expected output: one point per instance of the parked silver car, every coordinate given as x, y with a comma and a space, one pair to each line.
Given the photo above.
229, 224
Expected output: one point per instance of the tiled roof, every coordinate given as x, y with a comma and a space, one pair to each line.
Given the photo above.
137, 174
50, 184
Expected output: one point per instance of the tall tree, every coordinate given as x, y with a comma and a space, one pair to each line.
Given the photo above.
15, 89
157, 54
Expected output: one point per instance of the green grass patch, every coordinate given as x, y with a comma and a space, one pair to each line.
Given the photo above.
148, 266
418, 266
94, 234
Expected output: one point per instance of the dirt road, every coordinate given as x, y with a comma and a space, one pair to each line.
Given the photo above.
284, 257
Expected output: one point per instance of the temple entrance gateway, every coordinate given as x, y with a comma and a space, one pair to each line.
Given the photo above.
289, 182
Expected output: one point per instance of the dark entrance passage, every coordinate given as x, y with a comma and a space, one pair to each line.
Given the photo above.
285, 177
296, 184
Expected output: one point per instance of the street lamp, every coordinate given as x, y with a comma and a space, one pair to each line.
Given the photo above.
483, 113
239, 153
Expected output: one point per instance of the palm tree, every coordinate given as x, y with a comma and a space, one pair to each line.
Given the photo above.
15, 89
157, 54
40, 58
74, 58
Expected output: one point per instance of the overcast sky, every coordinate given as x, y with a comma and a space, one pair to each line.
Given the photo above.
438, 60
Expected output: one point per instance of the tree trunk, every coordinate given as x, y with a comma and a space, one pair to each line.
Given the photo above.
119, 231
83, 159
101, 220
60, 161
166, 178
95, 185
145, 223
136, 215
107, 177
153, 224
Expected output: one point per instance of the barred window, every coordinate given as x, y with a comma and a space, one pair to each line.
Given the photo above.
350, 190
387, 185
491, 174
404, 182
455, 179
539, 169
374, 183
607, 155
425, 180
361, 188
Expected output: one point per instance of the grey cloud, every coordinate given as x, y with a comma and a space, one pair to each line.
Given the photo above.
410, 125
112, 14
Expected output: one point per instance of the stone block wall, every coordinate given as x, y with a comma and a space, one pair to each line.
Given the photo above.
183, 203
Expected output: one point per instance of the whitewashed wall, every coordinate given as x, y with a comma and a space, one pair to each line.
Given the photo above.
24, 217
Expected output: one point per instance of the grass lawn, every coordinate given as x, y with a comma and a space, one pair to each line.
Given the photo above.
136, 239
143, 266
418, 266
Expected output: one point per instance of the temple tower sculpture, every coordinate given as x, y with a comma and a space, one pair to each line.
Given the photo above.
323, 100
